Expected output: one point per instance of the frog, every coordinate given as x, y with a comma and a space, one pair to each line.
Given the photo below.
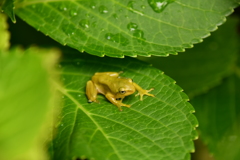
114, 87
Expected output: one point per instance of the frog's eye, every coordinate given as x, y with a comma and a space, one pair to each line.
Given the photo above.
122, 91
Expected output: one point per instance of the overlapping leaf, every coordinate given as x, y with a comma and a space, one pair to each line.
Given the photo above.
122, 27
25, 100
4, 38
160, 127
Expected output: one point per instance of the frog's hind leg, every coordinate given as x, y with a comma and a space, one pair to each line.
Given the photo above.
91, 92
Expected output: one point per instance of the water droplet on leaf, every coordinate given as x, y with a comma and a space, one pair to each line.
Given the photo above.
130, 5
73, 13
159, 5
117, 38
143, 6
84, 23
63, 8
132, 26
115, 16
103, 9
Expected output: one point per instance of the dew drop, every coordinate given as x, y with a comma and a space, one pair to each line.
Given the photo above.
93, 6
115, 16
139, 34
130, 5
143, 6
117, 38
159, 5
63, 8
132, 26
79, 95
84, 23
73, 13
103, 9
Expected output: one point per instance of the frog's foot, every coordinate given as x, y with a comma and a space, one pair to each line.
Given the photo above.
120, 106
145, 92
96, 101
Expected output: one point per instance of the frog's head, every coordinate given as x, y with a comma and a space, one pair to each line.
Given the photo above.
126, 88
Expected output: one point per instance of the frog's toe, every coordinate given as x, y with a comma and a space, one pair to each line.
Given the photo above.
90, 101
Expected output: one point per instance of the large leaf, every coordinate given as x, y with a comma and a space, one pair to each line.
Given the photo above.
7, 6
123, 27
203, 66
160, 127
26, 99
4, 38
219, 114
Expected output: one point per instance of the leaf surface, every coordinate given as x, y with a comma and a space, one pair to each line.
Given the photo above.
122, 27
26, 101
205, 65
160, 127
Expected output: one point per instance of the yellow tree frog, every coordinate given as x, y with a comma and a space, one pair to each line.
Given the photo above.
114, 87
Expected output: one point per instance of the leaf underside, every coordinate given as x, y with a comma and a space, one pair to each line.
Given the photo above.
160, 127
123, 27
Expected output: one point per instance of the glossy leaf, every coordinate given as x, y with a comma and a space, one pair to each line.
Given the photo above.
26, 100
203, 66
160, 127
7, 6
123, 27
5, 36
218, 114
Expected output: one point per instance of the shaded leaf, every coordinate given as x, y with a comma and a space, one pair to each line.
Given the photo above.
218, 114
123, 27
160, 127
203, 66
26, 100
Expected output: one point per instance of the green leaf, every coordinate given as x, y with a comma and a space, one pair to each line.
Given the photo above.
218, 114
26, 98
5, 36
123, 27
7, 6
160, 127
203, 66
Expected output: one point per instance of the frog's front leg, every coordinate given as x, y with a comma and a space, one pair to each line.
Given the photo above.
142, 92
91, 92
117, 102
